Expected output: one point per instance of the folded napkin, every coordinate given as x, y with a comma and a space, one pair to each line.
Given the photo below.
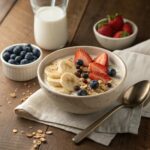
40, 108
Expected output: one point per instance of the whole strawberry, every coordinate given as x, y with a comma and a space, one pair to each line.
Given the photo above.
116, 21
106, 30
121, 34
127, 27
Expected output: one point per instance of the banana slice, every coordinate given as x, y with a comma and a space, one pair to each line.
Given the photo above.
66, 66
51, 71
54, 82
61, 90
69, 81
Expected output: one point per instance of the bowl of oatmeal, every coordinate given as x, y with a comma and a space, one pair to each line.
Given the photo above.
82, 79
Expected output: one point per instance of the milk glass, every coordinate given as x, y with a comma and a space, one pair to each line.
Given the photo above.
50, 23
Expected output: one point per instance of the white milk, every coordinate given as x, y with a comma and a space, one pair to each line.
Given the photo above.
50, 28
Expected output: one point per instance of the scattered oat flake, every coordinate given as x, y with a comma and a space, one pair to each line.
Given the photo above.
30, 127
13, 95
39, 131
34, 83
43, 140
39, 142
29, 86
49, 132
29, 135
28, 91
16, 90
23, 93
15, 130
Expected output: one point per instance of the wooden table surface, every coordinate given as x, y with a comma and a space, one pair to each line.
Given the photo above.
16, 26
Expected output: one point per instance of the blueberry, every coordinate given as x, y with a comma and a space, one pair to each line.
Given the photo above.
23, 53
10, 50
17, 50
13, 56
94, 84
29, 56
11, 61
82, 92
111, 72
77, 87
18, 59
24, 61
6, 56
36, 52
28, 48
34, 57
85, 75
79, 62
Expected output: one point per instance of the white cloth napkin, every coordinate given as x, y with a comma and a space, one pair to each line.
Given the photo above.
40, 108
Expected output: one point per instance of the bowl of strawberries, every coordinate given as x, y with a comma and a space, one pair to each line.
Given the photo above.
115, 32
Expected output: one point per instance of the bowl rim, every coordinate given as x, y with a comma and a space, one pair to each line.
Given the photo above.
24, 65
74, 96
135, 30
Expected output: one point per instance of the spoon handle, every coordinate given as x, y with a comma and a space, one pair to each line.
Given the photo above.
83, 134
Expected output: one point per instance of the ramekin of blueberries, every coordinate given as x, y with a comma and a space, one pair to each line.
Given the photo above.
20, 61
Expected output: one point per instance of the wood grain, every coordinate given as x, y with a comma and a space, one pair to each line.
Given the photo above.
5, 6
18, 27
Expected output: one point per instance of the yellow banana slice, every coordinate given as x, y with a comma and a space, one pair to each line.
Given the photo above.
69, 81
54, 82
66, 66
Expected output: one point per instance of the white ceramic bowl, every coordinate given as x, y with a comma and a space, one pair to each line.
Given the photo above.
20, 72
82, 104
116, 43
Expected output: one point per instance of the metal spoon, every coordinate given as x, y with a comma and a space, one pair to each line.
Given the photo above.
133, 96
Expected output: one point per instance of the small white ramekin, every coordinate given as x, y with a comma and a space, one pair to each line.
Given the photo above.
115, 43
20, 72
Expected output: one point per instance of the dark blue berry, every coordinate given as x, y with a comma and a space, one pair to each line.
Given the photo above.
36, 52
17, 50
24, 61
10, 50
79, 62
34, 57
6, 56
28, 48
111, 72
13, 56
85, 75
11, 61
82, 92
23, 53
94, 84
18, 59
29, 56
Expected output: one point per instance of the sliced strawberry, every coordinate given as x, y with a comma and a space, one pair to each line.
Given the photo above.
102, 59
83, 55
95, 67
99, 76
127, 27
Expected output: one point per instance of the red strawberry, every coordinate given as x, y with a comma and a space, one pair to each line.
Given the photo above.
102, 59
116, 22
99, 76
95, 67
127, 27
83, 55
121, 34
106, 30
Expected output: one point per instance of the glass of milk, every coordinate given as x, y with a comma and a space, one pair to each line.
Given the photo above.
50, 23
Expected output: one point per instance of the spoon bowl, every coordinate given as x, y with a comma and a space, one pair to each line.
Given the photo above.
136, 94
